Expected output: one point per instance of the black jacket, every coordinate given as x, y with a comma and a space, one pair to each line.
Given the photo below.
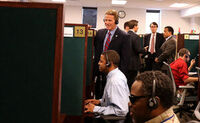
119, 43
136, 49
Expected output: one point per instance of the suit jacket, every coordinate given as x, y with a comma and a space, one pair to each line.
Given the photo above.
136, 49
159, 41
168, 51
119, 43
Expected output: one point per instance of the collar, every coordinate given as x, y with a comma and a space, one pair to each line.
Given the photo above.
113, 31
154, 34
132, 31
112, 72
167, 115
169, 37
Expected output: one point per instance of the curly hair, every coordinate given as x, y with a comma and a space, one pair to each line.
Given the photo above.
164, 86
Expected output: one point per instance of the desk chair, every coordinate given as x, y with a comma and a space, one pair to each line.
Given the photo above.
182, 105
197, 109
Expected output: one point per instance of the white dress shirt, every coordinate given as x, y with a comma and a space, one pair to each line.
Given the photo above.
116, 95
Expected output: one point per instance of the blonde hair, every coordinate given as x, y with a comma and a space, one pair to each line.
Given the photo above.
114, 13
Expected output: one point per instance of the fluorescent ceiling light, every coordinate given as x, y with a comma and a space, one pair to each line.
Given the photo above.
119, 2
58, 0
179, 5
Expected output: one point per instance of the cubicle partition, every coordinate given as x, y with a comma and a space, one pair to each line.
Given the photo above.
31, 38
141, 40
89, 74
77, 71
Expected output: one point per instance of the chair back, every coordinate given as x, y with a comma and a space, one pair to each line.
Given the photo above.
169, 72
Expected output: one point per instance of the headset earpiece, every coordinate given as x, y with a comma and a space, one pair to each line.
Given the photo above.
116, 21
107, 61
152, 102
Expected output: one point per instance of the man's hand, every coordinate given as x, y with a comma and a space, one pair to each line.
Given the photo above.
146, 48
89, 107
93, 101
156, 60
192, 62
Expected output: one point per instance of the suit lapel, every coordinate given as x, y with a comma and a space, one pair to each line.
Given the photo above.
114, 38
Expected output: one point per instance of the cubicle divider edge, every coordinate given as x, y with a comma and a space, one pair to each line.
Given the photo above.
58, 67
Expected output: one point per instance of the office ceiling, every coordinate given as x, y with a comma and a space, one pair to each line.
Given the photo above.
155, 4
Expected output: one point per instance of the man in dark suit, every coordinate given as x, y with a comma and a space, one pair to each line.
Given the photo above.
154, 41
168, 49
136, 49
110, 38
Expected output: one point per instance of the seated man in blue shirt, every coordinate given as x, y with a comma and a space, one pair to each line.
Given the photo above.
116, 93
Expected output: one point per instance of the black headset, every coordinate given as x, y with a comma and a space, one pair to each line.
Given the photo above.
107, 61
116, 21
152, 102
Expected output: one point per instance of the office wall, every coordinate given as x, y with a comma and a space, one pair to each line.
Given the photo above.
73, 14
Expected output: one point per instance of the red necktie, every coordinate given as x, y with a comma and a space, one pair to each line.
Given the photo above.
152, 45
107, 41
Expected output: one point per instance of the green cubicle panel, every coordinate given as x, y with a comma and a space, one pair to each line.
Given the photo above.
74, 69
141, 40
191, 42
30, 62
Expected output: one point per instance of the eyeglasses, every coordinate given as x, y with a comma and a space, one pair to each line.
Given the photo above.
187, 56
134, 98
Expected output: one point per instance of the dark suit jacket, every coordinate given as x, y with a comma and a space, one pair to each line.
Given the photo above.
136, 49
168, 51
159, 41
119, 43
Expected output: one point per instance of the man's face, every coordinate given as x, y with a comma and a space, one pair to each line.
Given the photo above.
153, 28
102, 64
166, 33
109, 21
139, 110
187, 57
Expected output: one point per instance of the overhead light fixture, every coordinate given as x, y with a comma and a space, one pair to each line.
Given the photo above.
58, 0
179, 5
119, 2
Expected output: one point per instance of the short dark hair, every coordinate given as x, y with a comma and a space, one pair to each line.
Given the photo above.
154, 23
170, 29
126, 24
133, 23
112, 56
164, 87
183, 51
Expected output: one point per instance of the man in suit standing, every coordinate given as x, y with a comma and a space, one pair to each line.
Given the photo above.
154, 41
168, 49
110, 38
136, 49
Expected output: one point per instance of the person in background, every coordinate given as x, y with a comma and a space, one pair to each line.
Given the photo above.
180, 69
148, 100
154, 41
116, 93
126, 26
136, 50
110, 38
167, 50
